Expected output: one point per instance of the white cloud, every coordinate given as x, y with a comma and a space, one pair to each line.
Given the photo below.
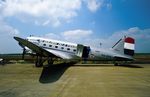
44, 12
7, 43
134, 32
38, 8
141, 36
5, 29
76, 34
53, 36
47, 12
94, 5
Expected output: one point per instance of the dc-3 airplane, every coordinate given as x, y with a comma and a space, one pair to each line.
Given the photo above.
49, 49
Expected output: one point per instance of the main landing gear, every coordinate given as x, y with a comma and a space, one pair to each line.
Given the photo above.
50, 61
39, 61
116, 64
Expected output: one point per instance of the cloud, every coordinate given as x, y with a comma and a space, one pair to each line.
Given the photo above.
5, 29
94, 5
76, 34
134, 32
43, 11
7, 43
141, 36
87, 37
47, 12
53, 36
81, 36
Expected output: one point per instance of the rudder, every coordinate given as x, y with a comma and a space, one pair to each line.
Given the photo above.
129, 46
125, 46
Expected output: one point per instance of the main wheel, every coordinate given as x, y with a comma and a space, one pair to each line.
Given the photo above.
116, 64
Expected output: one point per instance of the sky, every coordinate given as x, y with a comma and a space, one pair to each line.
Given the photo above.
88, 22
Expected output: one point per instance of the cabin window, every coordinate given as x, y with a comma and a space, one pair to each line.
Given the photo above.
74, 50
44, 44
56, 46
68, 48
50, 45
62, 47
66, 45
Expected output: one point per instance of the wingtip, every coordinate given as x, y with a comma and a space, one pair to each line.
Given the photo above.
16, 38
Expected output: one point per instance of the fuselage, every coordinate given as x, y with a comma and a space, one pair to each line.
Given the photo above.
72, 49
54, 44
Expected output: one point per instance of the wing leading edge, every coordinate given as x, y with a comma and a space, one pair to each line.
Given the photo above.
37, 49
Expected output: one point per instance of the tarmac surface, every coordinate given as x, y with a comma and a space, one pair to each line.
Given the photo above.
79, 80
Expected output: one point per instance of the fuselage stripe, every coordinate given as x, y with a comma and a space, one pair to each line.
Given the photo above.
129, 46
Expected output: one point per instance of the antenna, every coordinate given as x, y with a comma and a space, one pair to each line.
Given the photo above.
31, 35
100, 44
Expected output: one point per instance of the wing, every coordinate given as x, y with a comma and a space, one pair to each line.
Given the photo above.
62, 54
37, 49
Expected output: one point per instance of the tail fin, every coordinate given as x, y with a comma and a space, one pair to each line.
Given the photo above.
125, 45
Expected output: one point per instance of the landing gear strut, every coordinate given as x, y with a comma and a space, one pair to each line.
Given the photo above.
39, 62
116, 64
50, 61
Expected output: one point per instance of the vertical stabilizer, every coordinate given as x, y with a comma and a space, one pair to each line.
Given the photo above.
125, 45
129, 46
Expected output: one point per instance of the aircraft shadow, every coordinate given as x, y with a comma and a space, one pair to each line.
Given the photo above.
111, 65
53, 73
94, 65
131, 66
